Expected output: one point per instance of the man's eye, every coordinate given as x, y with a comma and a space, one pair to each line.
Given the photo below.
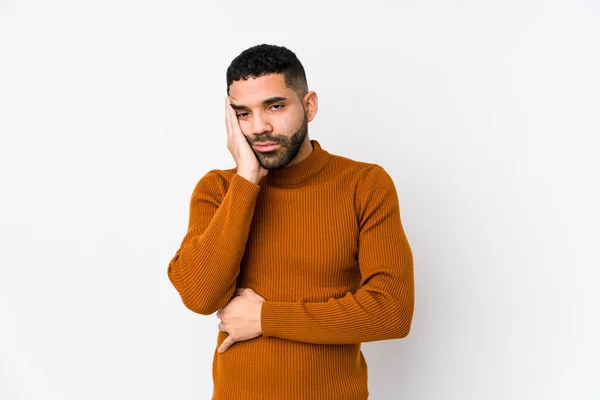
242, 115
278, 105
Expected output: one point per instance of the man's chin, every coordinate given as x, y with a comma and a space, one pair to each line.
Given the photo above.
270, 166
268, 160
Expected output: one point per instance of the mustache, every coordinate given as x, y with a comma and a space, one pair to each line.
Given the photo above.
268, 140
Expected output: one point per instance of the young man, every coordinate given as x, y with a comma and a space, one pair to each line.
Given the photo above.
301, 252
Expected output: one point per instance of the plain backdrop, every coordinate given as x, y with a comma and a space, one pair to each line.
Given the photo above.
485, 113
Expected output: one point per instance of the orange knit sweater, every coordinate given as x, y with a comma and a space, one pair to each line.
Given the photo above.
322, 242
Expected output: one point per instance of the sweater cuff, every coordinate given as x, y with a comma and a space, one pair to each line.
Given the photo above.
275, 318
244, 184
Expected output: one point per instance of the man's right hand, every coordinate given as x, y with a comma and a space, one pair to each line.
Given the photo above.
245, 159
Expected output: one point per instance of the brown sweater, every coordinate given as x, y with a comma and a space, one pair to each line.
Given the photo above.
322, 242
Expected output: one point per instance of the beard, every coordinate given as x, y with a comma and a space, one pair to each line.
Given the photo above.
289, 146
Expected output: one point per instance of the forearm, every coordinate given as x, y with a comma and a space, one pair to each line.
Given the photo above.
370, 314
205, 268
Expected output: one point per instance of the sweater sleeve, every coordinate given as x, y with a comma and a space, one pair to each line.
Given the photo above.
382, 307
207, 263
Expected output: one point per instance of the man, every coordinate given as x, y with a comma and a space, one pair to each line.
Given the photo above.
301, 252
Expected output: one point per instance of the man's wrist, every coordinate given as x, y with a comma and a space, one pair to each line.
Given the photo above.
249, 177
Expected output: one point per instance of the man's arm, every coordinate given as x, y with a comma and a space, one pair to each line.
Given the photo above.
382, 307
205, 268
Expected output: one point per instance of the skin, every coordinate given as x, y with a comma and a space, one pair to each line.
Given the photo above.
262, 110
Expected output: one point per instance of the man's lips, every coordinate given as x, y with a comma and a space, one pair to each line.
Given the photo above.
266, 146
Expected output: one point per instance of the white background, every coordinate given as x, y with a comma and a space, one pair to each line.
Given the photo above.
485, 113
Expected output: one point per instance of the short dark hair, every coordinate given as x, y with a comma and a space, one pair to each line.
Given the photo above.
265, 59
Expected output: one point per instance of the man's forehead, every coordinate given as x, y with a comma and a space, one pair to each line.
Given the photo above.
253, 88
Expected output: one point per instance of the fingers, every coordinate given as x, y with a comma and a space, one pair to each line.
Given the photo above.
228, 116
226, 344
240, 291
231, 116
229, 340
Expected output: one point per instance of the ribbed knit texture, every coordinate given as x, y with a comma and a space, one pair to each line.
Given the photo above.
322, 242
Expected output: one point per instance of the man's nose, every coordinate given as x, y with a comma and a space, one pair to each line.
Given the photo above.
260, 124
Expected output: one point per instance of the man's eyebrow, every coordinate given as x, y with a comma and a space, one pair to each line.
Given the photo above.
273, 100
265, 102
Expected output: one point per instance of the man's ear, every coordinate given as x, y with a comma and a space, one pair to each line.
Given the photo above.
311, 105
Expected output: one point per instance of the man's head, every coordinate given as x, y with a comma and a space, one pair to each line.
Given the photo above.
267, 88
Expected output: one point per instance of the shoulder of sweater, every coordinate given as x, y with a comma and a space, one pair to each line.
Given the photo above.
370, 178
224, 174
362, 168
215, 181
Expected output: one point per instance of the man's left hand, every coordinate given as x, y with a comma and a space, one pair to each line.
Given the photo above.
240, 317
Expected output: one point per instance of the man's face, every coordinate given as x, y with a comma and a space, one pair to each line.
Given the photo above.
270, 112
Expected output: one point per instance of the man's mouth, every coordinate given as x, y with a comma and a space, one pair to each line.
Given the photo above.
266, 147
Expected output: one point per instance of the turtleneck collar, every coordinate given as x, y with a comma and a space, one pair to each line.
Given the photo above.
299, 172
